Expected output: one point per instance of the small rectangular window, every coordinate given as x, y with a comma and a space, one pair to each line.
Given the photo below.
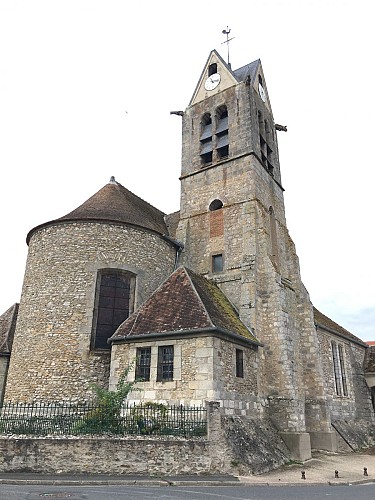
165, 363
217, 263
239, 363
143, 364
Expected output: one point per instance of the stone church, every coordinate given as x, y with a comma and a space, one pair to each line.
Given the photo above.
207, 303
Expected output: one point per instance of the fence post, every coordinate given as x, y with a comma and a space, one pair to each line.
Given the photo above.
213, 419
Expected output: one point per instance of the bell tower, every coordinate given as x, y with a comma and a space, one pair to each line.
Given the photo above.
232, 223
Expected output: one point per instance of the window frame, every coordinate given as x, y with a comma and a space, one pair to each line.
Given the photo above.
97, 338
165, 366
143, 370
240, 363
214, 260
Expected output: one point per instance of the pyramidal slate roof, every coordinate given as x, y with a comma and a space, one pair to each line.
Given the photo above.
185, 303
248, 70
328, 324
114, 203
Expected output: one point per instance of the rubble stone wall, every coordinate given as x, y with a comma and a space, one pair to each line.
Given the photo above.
52, 356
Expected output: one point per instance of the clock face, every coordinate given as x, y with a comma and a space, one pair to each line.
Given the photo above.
262, 93
212, 82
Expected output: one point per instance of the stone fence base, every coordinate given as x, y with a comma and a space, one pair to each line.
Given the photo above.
234, 445
105, 456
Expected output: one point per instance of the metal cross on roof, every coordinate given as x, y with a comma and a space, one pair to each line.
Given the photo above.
226, 32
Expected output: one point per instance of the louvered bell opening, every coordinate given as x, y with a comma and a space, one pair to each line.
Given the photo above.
223, 141
207, 132
222, 125
206, 147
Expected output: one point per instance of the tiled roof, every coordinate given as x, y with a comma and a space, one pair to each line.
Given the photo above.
325, 322
115, 203
7, 327
184, 303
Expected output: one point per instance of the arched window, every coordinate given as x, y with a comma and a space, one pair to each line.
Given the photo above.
222, 144
215, 205
216, 218
114, 301
206, 139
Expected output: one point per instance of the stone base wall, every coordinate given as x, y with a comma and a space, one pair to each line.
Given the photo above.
234, 445
106, 456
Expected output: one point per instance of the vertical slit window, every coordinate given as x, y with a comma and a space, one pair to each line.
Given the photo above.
343, 373
339, 369
273, 237
165, 363
239, 363
143, 364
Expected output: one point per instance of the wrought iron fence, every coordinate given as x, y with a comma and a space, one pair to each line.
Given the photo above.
42, 419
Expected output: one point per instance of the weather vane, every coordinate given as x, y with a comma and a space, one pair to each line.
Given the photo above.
226, 32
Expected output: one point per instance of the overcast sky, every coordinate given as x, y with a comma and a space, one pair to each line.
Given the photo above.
86, 87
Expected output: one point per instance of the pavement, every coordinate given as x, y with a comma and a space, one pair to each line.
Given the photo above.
320, 469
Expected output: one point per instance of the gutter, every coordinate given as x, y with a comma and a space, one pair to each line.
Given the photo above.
179, 247
187, 333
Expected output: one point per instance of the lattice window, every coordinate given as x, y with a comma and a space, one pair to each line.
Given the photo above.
165, 363
143, 364
114, 302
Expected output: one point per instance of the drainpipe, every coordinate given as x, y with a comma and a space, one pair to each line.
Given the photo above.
179, 247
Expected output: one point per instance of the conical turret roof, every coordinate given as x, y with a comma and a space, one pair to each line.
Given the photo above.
114, 203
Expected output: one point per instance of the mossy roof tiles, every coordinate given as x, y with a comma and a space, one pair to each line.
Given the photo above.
114, 203
185, 302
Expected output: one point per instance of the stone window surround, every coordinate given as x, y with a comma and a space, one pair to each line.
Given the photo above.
239, 363
142, 363
234, 363
212, 263
209, 144
94, 268
97, 303
153, 382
